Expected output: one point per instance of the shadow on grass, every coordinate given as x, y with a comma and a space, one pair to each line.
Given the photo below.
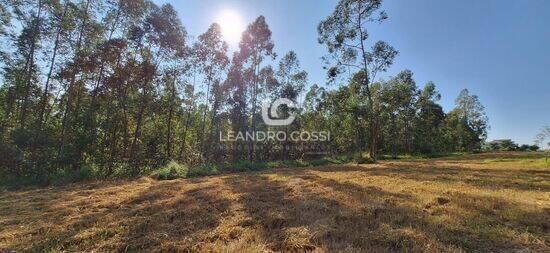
292, 217
429, 171
295, 210
139, 222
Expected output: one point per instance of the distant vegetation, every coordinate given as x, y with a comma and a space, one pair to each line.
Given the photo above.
509, 145
118, 88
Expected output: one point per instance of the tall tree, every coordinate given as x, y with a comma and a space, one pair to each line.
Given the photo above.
28, 43
255, 46
5, 19
471, 110
429, 120
291, 79
160, 38
62, 22
289, 83
398, 96
346, 36
87, 31
211, 54
236, 87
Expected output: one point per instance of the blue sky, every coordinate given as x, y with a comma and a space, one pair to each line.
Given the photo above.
499, 50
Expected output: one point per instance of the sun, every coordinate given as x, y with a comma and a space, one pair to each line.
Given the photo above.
232, 26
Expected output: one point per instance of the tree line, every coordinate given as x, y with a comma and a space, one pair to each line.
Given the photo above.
120, 84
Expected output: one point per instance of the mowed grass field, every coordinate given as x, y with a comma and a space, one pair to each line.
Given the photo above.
497, 202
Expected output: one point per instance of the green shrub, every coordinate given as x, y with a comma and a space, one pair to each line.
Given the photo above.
122, 170
289, 163
360, 159
276, 164
203, 170
337, 160
171, 171
87, 172
300, 163
343, 159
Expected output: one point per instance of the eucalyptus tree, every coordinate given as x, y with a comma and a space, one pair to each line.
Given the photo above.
171, 96
211, 53
237, 101
84, 38
255, 46
30, 37
346, 37
466, 125
291, 79
429, 120
103, 64
63, 22
5, 21
189, 106
406, 97
160, 38
22, 72
398, 98
472, 111
170, 35
219, 101
31, 34
289, 82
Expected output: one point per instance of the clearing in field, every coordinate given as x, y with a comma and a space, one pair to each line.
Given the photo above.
476, 203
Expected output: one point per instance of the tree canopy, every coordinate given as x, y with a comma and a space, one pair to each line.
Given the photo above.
120, 88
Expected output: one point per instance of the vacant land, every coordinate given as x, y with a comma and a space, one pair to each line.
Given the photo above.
475, 203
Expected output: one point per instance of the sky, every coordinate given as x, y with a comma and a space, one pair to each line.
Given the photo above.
497, 49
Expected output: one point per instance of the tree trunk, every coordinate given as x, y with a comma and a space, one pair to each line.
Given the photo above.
72, 81
139, 122
187, 123
30, 65
94, 105
203, 122
42, 117
254, 102
170, 114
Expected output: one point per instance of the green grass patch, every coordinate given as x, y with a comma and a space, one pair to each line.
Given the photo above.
171, 171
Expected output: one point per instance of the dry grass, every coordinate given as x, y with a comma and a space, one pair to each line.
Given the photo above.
478, 203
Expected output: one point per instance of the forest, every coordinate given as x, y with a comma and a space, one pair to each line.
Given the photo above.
118, 88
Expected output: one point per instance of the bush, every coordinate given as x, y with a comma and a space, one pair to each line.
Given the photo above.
360, 159
203, 170
276, 164
342, 159
171, 171
66, 176
122, 170
295, 163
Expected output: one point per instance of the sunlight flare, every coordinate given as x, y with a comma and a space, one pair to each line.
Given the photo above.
232, 26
